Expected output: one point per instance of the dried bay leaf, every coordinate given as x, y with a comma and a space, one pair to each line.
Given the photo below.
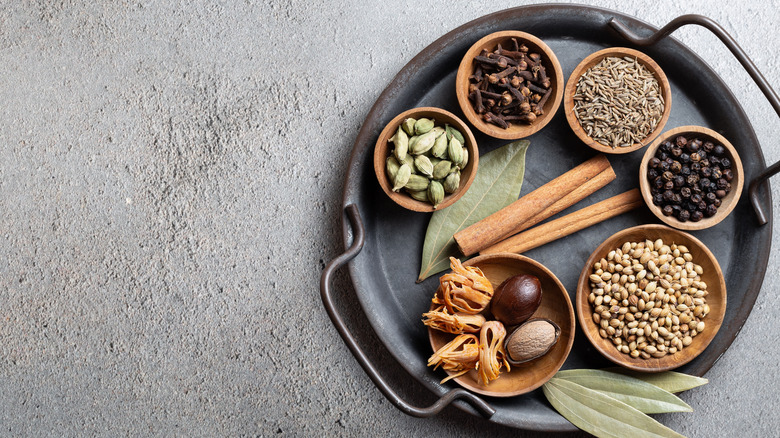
670, 381
497, 184
600, 414
637, 393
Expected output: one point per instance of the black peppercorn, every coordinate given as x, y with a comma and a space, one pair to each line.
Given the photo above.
658, 199
685, 158
685, 171
722, 184
675, 167
679, 181
676, 151
683, 215
711, 210
685, 192
702, 206
716, 173
706, 172
696, 216
662, 156
692, 146
668, 176
681, 141
658, 183
710, 197
720, 193
652, 174
668, 195
667, 210
654, 163
695, 157
715, 161
692, 179
719, 150
728, 175
668, 185
676, 199
663, 167
704, 183
716, 203
725, 163
696, 198
665, 146
708, 146
695, 167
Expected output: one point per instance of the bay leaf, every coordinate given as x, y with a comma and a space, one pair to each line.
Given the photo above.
497, 184
600, 414
637, 393
670, 381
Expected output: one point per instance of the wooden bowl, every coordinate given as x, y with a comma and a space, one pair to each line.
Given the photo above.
716, 297
595, 58
727, 203
552, 68
555, 306
382, 151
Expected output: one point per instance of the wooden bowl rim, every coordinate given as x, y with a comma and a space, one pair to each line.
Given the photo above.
516, 131
668, 362
728, 203
466, 382
403, 199
590, 61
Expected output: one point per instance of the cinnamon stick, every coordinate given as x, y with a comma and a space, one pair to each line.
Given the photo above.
537, 205
571, 223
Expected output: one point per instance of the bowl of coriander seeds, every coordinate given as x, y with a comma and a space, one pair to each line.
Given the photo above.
651, 298
617, 100
425, 159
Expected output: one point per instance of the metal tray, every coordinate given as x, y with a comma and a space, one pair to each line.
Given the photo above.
385, 241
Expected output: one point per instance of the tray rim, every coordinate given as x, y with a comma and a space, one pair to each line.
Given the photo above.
753, 288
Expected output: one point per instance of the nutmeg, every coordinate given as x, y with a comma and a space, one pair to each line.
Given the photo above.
516, 299
531, 340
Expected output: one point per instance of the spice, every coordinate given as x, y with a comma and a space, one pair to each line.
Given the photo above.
516, 299
700, 174
618, 102
531, 340
648, 298
509, 86
424, 157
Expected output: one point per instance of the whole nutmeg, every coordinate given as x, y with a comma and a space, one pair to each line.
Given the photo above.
516, 299
531, 340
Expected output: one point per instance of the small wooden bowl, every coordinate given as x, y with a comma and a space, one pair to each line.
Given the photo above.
555, 306
727, 203
552, 68
595, 58
383, 148
716, 297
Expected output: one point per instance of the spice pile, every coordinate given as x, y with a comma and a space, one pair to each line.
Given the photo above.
648, 298
459, 307
618, 102
426, 160
689, 178
509, 85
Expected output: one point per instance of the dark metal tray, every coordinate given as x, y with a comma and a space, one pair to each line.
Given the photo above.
391, 238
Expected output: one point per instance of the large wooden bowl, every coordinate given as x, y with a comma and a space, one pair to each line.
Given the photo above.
552, 68
382, 151
727, 203
595, 58
716, 298
555, 306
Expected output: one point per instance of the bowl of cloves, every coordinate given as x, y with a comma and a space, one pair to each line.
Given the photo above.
425, 159
691, 177
509, 84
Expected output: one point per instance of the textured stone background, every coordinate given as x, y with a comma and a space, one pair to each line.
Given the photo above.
170, 191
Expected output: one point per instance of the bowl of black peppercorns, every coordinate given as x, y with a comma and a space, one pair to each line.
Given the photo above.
691, 177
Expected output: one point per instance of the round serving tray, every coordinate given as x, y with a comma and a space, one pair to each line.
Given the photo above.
384, 273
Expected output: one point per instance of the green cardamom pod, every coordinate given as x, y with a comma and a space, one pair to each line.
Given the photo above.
417, 183
465, 159
424, 165
455, 151
421, 126
408, 125
452, 132
401, 141
401, 177
452, 182
423, 143
419, 195
408, 160
413, 141
438, 130
434, 161
439, 149
392, 166
435, 193
441, 169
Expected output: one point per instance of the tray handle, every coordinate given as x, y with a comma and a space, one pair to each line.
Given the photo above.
743, 59
358, 241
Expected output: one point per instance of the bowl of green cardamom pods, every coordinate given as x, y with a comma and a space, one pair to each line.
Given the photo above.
425, 159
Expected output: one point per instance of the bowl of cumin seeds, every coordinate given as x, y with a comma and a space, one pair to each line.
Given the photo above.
617, 100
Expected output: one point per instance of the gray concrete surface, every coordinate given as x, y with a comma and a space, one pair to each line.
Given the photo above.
170, 190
